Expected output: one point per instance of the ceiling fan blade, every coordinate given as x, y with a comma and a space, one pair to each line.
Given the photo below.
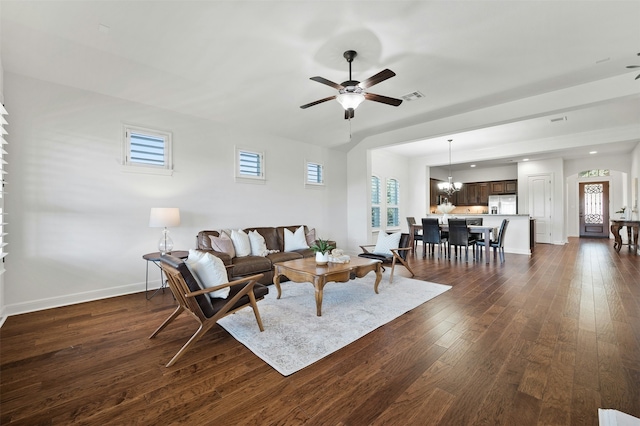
327, 82
637, 77
349, 113
318, 102
633, 66
383, 99
380, 77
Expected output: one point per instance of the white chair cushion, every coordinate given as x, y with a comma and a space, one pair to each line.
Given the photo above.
386, 242
209, 271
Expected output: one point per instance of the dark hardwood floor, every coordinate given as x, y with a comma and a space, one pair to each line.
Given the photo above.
546, 339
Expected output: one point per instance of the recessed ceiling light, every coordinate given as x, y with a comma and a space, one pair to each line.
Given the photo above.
593, 152
557, 119
473, 165
525, 159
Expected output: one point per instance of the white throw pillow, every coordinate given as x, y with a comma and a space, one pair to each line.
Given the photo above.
386, 242
258, 245
209, 271
295, 240
241, 243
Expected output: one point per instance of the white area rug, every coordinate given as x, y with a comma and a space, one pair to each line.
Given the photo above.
294, 337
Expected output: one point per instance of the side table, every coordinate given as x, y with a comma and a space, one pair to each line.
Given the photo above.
155, 259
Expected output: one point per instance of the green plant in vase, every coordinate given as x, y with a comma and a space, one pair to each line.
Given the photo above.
322, 248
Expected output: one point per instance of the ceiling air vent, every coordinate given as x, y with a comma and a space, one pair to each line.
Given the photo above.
412, 96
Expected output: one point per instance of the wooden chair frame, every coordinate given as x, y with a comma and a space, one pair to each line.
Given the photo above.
396, 257
187, 302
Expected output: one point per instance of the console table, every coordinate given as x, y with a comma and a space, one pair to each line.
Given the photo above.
633, 227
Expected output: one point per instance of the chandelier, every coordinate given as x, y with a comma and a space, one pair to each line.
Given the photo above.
450, 186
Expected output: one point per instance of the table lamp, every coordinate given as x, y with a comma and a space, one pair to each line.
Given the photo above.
163, 217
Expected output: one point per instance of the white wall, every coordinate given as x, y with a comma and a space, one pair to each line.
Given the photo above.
79, 224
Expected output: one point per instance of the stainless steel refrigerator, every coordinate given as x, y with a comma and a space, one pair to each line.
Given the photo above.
503, 204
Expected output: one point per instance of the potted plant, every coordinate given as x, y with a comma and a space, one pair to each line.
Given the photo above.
322, 249
621, 211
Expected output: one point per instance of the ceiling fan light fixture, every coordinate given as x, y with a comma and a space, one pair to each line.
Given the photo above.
350, 100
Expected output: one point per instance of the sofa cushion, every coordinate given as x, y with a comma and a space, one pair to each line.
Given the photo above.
311, 236
241, 242
258, 244
295, 240
270, 236
249, 265
223, 244
283, 256
204, 239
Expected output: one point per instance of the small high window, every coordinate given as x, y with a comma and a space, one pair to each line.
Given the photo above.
315, 173
249, 164
147, 149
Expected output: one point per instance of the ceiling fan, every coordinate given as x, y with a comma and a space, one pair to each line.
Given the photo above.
351, 93
635, 66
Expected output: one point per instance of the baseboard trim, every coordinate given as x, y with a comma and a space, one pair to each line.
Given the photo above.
74, 299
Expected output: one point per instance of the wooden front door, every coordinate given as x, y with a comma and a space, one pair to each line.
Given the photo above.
594, 209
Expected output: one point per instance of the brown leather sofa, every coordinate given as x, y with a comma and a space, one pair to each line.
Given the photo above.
250, 265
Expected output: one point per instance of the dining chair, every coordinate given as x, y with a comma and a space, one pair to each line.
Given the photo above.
459, 237
475, 221
497, 245
431, 235
417, 235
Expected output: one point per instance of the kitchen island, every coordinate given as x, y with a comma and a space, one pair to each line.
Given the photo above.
519, 236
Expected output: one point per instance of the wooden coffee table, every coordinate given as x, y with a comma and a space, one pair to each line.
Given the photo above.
306, 270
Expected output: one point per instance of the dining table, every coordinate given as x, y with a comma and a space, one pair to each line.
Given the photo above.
475, 229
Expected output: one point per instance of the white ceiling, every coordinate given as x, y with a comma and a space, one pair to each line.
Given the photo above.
248, 64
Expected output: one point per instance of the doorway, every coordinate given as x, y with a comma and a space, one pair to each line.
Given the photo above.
594, 209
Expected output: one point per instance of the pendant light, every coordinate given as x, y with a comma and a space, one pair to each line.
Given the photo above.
450, 186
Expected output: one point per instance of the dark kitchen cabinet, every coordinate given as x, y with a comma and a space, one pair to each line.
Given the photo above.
503, 187
483, 193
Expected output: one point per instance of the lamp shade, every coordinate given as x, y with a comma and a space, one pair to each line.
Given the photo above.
162, 217
350, 100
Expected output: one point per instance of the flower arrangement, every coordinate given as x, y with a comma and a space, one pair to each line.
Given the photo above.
622, 210
446, 208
